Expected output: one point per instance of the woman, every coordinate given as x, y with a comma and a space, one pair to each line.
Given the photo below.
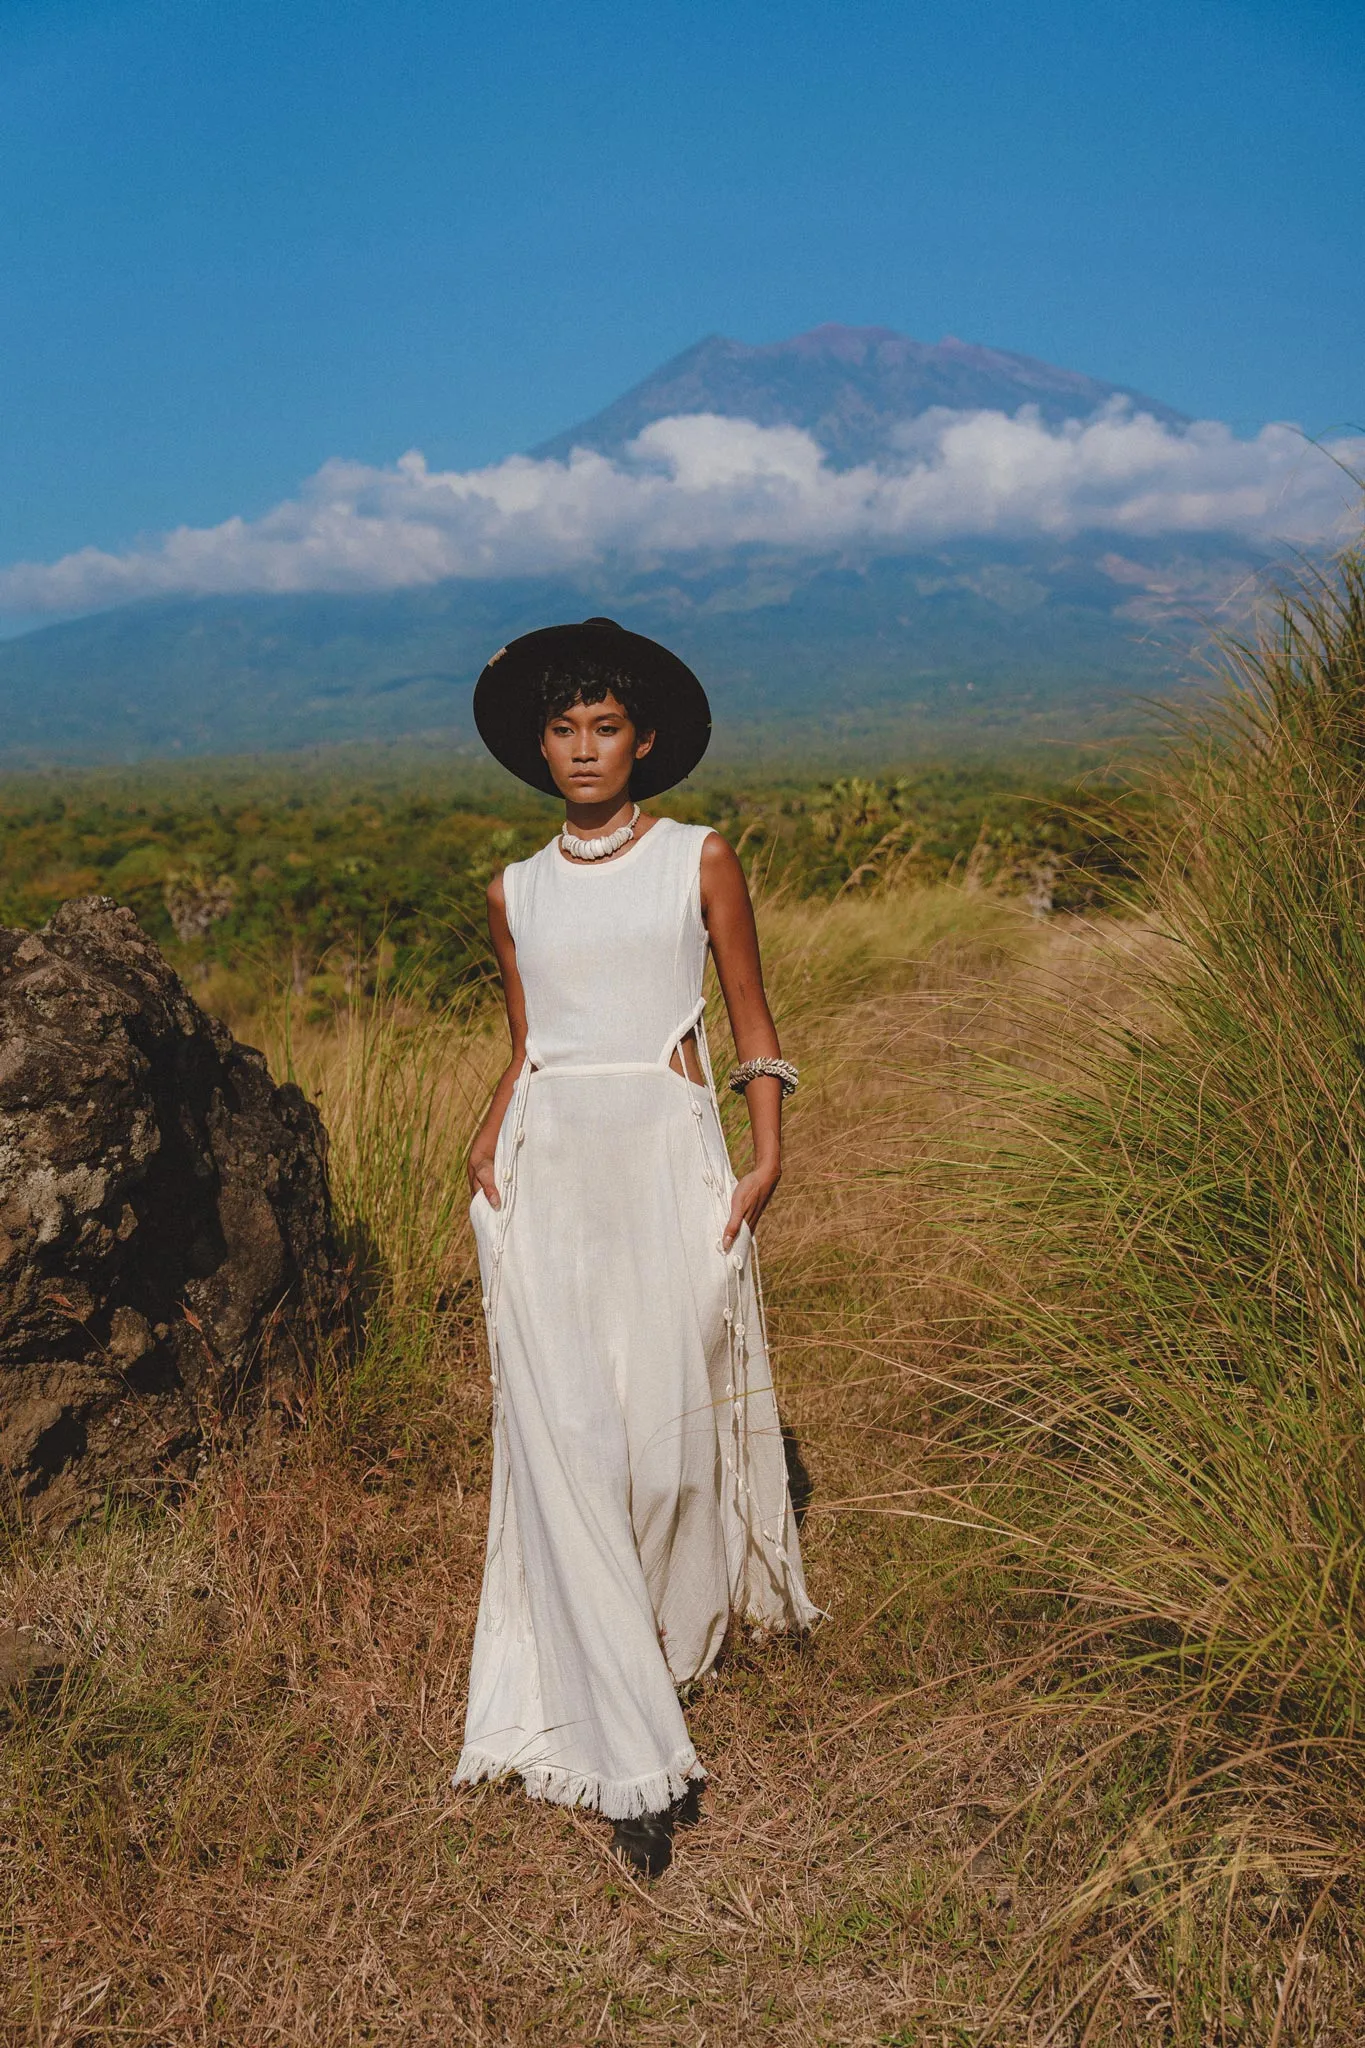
640, 1499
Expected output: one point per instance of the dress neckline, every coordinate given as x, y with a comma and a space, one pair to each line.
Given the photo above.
620, 860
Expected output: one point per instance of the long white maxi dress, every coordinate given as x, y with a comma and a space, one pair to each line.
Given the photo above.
639, 1486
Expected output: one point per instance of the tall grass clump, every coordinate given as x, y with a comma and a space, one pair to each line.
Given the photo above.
400, 1082
1178, 1381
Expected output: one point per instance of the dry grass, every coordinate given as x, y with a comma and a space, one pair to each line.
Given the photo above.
235, 1824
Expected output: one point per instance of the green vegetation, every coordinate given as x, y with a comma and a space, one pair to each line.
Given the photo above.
335, 877
279, 878
1179, 1217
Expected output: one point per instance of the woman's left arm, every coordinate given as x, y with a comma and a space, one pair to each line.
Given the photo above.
729, 917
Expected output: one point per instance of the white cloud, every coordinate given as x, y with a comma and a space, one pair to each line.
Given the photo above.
700, 482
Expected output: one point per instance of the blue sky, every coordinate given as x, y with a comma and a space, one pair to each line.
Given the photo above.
239, 240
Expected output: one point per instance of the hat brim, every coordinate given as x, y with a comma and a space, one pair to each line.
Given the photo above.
505, 698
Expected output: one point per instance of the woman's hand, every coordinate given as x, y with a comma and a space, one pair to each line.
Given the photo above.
480, 1172
751, 1197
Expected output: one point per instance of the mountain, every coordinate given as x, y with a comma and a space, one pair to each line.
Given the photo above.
841, 662
850, 387
840, 656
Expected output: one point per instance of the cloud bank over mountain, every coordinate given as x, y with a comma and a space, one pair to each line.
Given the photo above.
700, 484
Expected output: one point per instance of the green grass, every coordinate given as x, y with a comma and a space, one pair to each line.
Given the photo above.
1166, 1210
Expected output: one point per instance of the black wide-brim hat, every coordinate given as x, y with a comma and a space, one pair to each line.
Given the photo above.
507, 699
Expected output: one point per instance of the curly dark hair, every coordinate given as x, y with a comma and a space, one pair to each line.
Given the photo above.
589, 683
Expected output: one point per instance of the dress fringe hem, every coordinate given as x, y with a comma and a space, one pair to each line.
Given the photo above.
801, 1617
614, 1798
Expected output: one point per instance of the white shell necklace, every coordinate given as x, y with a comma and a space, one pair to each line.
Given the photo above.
599, 849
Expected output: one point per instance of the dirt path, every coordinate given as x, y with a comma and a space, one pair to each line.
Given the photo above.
803, 1909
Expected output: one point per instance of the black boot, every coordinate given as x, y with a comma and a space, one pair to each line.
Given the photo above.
645, 1844
686, 1811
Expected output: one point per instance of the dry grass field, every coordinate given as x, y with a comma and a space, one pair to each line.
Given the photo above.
233, 1824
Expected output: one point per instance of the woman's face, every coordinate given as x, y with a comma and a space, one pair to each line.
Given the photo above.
591, 750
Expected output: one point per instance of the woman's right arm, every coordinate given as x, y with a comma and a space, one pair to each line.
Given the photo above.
480, 1168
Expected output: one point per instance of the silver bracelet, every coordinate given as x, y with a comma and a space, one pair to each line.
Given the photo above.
749, 1070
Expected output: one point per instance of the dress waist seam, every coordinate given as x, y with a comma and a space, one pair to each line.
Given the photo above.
604, 1067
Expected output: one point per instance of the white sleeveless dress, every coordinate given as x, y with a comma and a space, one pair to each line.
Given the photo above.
640, 1493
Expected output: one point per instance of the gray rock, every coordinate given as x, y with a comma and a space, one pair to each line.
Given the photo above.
167, 1258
